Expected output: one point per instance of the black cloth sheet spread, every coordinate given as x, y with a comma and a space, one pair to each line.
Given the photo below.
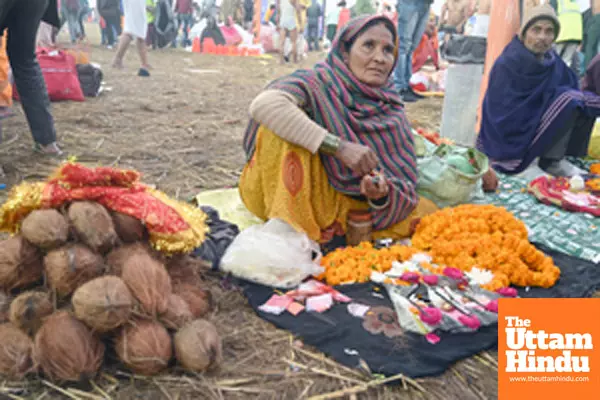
341, 336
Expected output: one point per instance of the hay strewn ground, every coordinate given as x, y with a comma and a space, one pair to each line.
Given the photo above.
182, 129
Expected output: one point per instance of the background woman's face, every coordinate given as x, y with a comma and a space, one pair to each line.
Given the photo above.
371, 57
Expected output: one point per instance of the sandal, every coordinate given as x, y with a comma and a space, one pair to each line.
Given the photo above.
143, 72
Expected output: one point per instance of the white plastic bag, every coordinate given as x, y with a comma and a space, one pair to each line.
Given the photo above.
272, 254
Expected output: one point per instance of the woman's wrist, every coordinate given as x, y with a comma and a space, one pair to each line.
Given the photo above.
330, 144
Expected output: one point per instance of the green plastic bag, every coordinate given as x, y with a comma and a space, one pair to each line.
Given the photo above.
451, 175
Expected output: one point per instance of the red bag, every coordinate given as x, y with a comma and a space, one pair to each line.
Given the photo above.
60, 75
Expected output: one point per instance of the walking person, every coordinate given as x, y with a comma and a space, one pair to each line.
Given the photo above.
84, 10
135, 29
22, 19
413, 16
248, 14
287, 24
110, 11
592, 41
313, 14
331, 21
185, 17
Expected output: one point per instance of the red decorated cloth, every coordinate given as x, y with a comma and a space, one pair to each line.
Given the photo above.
556, 191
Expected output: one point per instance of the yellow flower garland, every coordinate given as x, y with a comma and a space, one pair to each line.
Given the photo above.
486, 237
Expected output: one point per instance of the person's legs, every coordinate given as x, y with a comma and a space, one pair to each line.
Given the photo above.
22, 23
124, 42
422, 18
593, 40
294, 39
407, 22
187, 25
573, 140
331, 29
282, 36
142, 52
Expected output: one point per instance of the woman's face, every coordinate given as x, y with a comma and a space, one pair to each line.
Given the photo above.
371, 57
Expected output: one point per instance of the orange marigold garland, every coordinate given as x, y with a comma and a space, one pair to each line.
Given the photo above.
595, 169
488, 237
355, 264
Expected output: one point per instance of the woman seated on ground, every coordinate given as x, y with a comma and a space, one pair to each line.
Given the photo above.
534, 113
318, 139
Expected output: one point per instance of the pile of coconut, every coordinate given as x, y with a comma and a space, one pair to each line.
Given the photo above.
79, 282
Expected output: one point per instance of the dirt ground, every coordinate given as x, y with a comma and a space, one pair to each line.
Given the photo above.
182, 128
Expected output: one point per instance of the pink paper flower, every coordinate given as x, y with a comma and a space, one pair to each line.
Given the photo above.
431, 316
492, 306
432, 338
507, 292
412, 277
453, 273
470, 321
431, 280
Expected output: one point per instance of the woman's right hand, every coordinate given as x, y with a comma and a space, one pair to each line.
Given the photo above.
359, 158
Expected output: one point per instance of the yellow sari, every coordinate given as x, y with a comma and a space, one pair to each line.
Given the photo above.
286, 181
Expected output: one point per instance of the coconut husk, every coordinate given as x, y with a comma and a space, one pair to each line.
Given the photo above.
71, 266
145, 347
149, 283
178, 313
187, 269
46, 229
66, 349
198, 346
16, 349
490, 181
199, 299
129, 229
29, 309
93, 225
115, 260
20, 264
5, 301
103, 303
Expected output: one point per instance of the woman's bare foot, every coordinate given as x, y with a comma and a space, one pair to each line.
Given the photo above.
118, 65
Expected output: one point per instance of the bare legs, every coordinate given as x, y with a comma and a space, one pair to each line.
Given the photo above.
124, 43
294, 38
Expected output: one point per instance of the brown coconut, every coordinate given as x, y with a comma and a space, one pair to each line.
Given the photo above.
186, 269
103, 303
29, 309
66, 349
115, 260
178, 313
199, 299
128, 228
149, 283
71, 266
145, 347
20, 264
198, 346
93, 225
16, 350
46, 229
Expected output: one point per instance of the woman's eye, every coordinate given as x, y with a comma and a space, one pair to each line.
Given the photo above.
369, 45
389, 49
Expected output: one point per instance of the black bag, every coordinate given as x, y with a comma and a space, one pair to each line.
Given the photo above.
465, 49
90, 79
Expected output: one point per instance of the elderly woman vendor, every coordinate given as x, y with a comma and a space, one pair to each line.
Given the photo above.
326, 141
533, 113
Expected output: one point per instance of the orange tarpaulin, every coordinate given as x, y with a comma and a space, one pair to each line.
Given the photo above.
5, 87
504, 25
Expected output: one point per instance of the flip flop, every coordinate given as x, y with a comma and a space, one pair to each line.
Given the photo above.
143, 72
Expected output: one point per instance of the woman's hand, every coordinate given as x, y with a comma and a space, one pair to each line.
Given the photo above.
357, 157
374, 187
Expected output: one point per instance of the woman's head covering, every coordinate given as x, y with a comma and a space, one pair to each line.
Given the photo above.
334, 98
543, 11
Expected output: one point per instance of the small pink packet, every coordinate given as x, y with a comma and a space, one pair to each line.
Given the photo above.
295, 308
276, 304
320, 303
432, 338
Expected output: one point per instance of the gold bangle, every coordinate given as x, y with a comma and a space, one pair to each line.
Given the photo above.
330, 144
